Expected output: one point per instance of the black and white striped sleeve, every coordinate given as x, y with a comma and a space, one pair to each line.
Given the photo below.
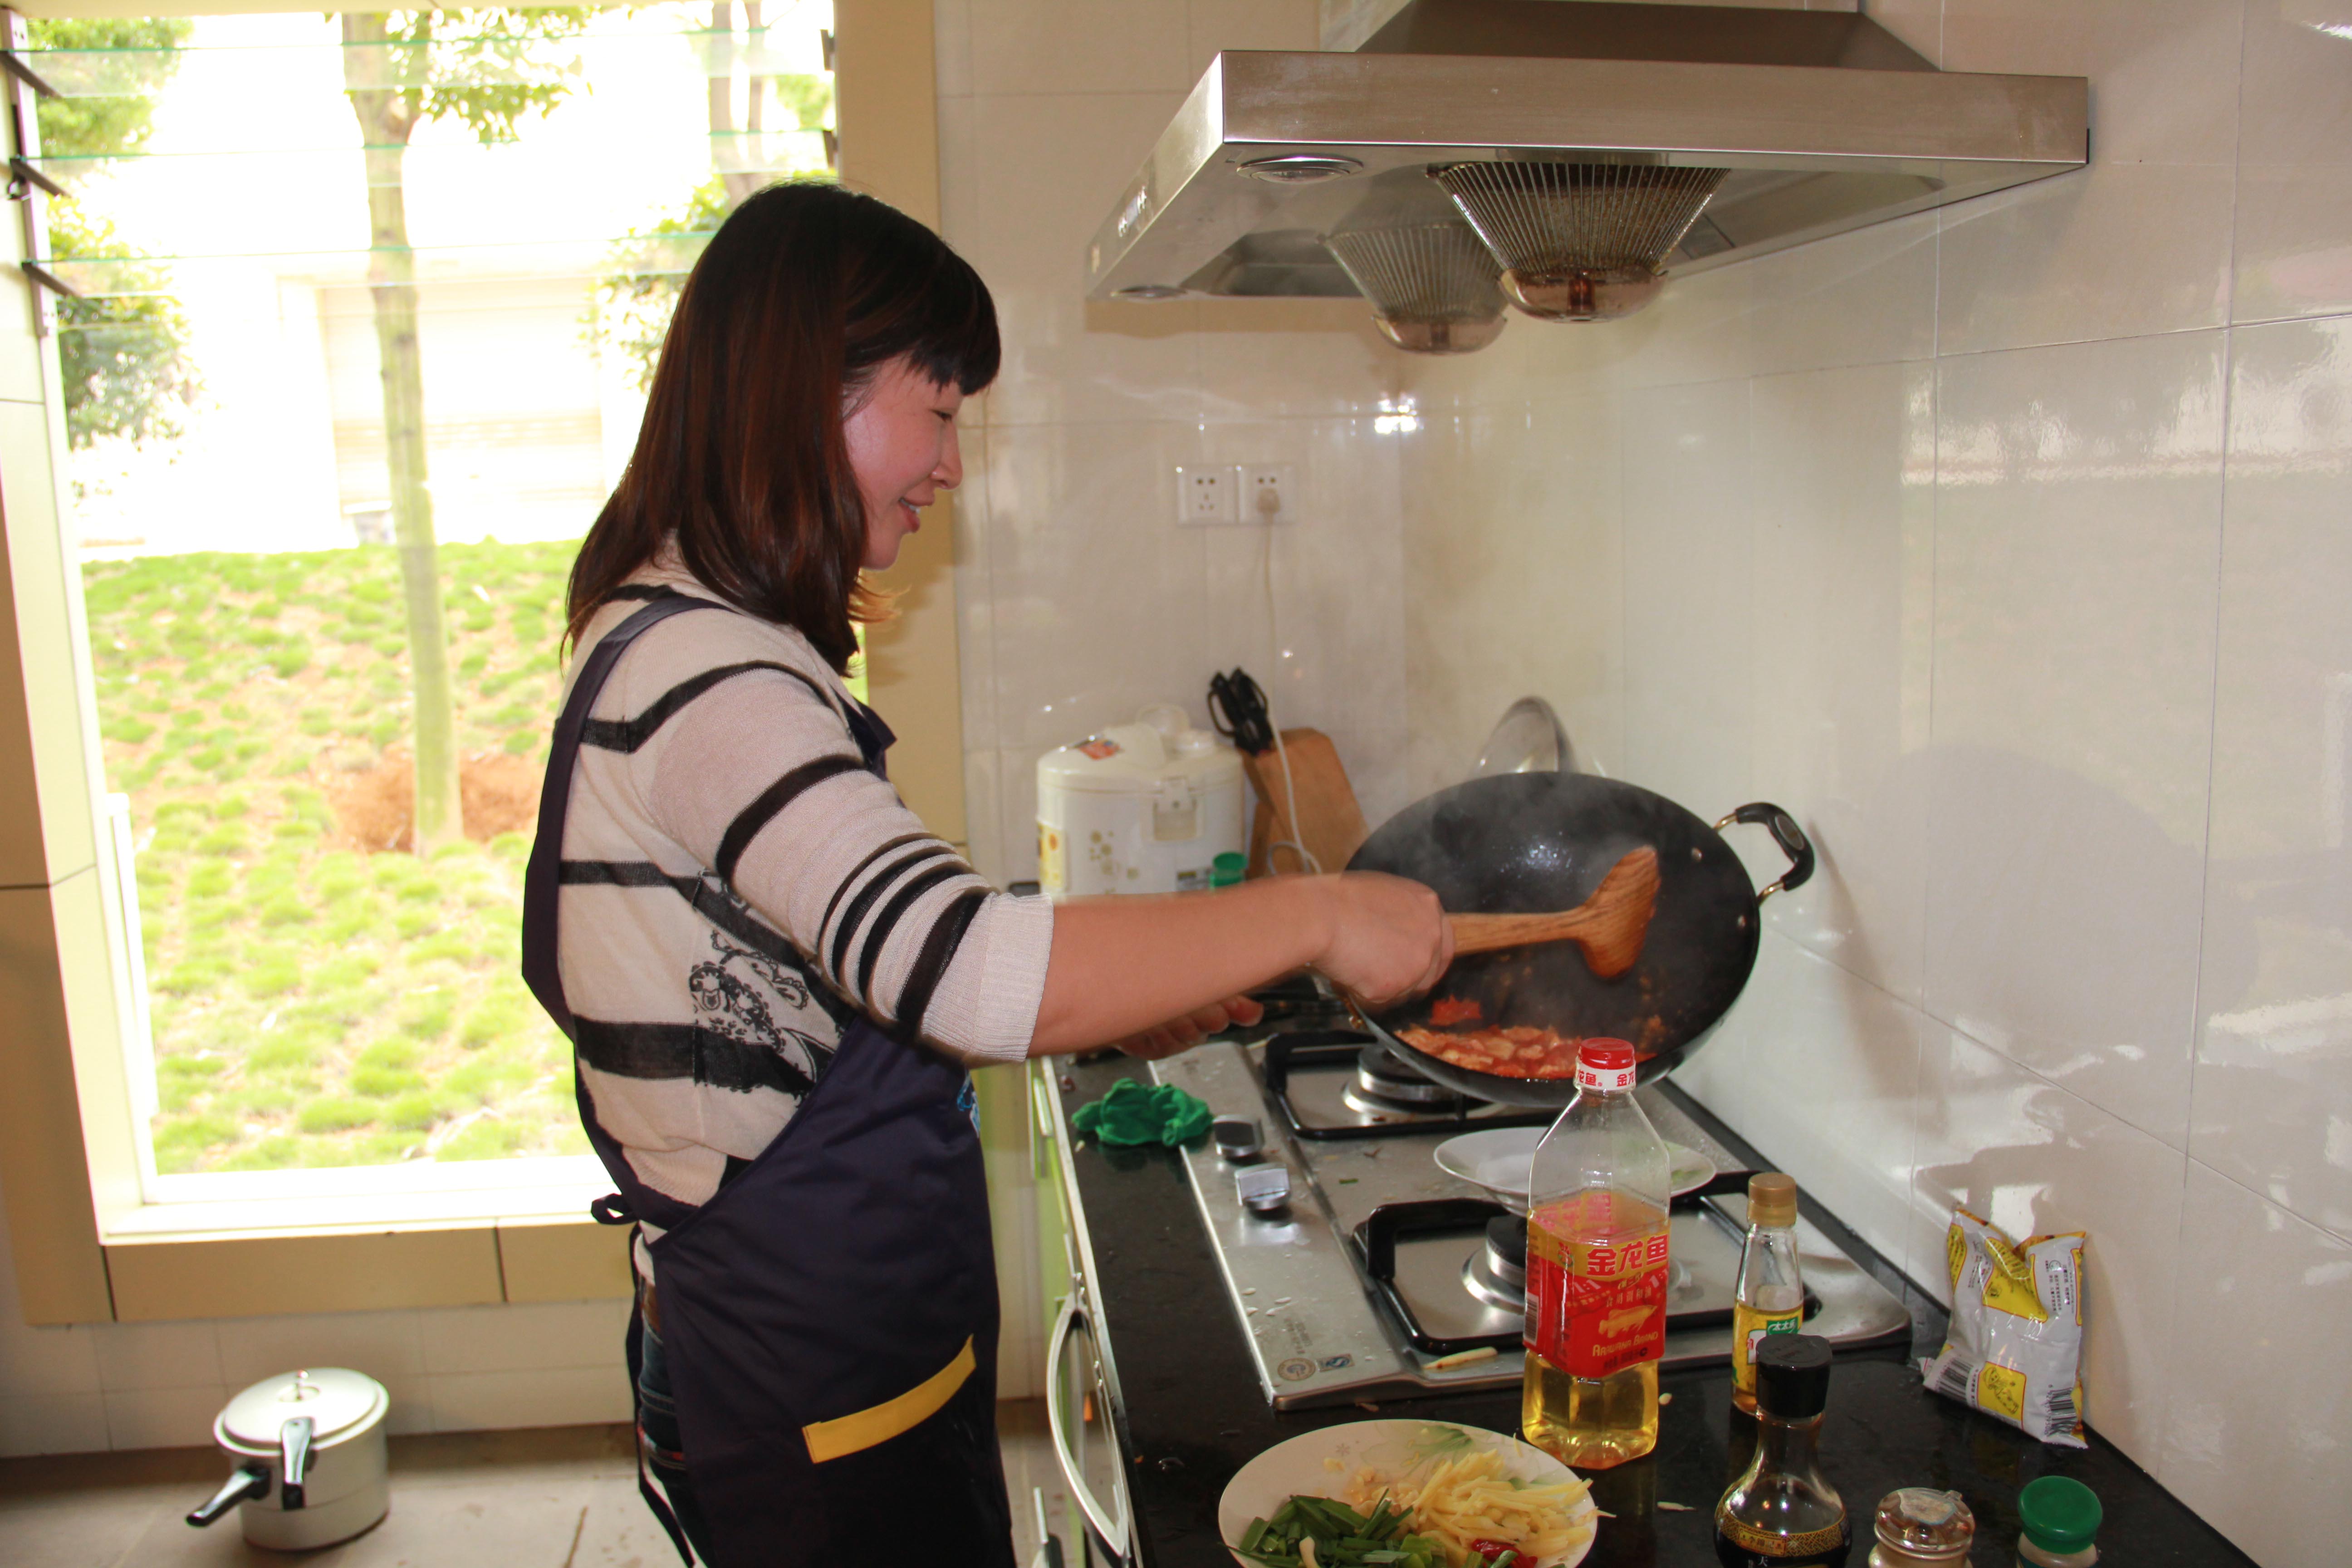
756, 774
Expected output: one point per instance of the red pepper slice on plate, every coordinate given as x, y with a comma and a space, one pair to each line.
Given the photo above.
1488, 1551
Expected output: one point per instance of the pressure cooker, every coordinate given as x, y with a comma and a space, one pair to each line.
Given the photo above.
309, 1448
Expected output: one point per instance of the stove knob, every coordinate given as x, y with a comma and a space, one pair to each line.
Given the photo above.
1263, 1189
1237, 1138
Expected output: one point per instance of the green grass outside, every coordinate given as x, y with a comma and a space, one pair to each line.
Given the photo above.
318, 1003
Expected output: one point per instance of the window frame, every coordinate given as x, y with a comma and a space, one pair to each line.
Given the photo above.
88, 1246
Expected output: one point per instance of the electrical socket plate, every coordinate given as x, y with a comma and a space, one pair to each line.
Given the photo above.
1207, 494
1269, 493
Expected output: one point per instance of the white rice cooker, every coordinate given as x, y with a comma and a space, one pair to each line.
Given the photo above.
309, 1454
1144, 808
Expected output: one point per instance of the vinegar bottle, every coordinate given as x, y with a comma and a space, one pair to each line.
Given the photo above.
1596, 1312
1770, 1298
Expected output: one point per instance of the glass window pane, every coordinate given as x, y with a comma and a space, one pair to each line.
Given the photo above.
356, 365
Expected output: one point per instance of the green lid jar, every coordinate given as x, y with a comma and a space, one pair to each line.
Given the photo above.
2061, 1520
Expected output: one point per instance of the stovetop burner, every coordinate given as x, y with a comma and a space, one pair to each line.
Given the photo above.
1342, 1083
1386, 1081
1497, 1272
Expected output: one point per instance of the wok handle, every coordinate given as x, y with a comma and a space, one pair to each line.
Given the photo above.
1787, 835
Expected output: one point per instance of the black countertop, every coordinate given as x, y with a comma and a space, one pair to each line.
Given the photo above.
1192, 1412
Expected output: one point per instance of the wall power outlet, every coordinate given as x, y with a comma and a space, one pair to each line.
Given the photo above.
1207, 494
1269, 493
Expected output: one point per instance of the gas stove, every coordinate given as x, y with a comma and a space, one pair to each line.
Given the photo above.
1383, 1276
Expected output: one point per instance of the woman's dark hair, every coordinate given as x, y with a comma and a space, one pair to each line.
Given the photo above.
806, 293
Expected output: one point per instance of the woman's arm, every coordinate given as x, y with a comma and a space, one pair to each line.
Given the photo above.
1124, 967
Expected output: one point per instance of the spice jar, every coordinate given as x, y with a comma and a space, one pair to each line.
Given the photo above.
2059, 1520
1919, 1527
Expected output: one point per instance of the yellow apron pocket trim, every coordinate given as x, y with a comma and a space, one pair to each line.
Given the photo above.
880, 1423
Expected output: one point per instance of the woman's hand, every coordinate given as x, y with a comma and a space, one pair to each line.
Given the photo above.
1182, 1033
1389, 937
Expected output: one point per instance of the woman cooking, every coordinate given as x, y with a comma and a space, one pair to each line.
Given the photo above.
776, 979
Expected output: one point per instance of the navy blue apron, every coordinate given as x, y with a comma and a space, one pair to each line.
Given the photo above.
829, 1318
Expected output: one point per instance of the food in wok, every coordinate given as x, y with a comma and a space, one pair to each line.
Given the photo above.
1518, 1052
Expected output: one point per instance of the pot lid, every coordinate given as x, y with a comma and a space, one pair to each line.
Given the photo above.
334, 1398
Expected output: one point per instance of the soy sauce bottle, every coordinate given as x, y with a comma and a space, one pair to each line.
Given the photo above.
1782, 1512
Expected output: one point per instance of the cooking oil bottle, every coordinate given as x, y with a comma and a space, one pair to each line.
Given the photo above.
1596, 1314
1770, 1298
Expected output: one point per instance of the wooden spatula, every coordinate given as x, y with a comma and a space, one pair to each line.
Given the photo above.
1609, 926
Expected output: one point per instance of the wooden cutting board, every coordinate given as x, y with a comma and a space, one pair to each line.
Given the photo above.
1327, 819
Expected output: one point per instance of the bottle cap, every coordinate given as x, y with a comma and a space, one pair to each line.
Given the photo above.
1227, 869
1792, 1376
1771, 1199
1606, 1064
1926, 1524
2060, 1514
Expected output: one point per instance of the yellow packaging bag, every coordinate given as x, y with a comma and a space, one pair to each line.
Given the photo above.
2015, 1345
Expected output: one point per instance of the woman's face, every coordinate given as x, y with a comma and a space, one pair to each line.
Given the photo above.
902, 446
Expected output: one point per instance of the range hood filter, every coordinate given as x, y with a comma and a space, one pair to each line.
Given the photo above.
1433, 286
1582, 242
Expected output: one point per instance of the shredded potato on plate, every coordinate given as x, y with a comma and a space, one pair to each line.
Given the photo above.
1473, 1497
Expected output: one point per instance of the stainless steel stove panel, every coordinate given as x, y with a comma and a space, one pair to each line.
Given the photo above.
1318, 1331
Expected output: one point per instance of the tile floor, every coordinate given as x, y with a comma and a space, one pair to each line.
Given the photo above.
559, 1497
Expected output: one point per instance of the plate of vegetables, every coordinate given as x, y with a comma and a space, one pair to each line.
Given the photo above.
1405, 1494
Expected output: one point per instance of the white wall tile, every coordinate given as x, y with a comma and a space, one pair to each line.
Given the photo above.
558, 1396
1689, 600
951, 46
1213, 25
1048, 48
2256, 1431
42, 1361
384, 1345
2272, 1106
162, 1417
1044, 171
519, 1338
1854, 298
1336, 588
52, 1424
1819, 1070
2295, 161
1515, 581
1843, 466
2078, 509
1098, 590
2014, 1149
2140, 241
1265, 358
158, 1355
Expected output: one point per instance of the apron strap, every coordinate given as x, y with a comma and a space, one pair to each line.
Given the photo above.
636, 1358
542, 877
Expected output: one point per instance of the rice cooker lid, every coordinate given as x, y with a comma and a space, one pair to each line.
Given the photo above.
337, 1401
1140, 759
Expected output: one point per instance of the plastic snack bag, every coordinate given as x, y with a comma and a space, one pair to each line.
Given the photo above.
2015, 1346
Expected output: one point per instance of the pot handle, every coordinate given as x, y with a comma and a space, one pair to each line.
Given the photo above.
245, 1482
294, 1455
1787, 835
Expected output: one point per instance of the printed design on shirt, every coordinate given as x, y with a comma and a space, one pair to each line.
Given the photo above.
755, 999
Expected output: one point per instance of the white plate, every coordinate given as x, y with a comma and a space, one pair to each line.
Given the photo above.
1498, 1160
1398, 1448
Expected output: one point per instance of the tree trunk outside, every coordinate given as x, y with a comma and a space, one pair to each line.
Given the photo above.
741, 166
386, 119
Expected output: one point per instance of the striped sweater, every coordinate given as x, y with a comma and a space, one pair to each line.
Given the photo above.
737, 888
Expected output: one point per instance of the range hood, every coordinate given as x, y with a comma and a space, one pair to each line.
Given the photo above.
1568, 155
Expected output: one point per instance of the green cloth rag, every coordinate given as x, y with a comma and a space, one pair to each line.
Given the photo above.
1131, 1113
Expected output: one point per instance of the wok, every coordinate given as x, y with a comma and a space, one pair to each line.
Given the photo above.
1527, 843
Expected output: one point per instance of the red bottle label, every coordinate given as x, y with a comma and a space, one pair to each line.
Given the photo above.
1599, 1306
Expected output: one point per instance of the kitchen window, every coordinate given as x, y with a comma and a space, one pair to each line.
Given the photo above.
361, 317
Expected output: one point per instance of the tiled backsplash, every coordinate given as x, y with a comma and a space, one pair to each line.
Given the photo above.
1081, 598
2008, 548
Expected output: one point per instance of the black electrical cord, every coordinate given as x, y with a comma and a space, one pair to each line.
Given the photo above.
1237, 707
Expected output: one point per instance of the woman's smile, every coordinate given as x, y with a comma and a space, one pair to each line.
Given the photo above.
902, 444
